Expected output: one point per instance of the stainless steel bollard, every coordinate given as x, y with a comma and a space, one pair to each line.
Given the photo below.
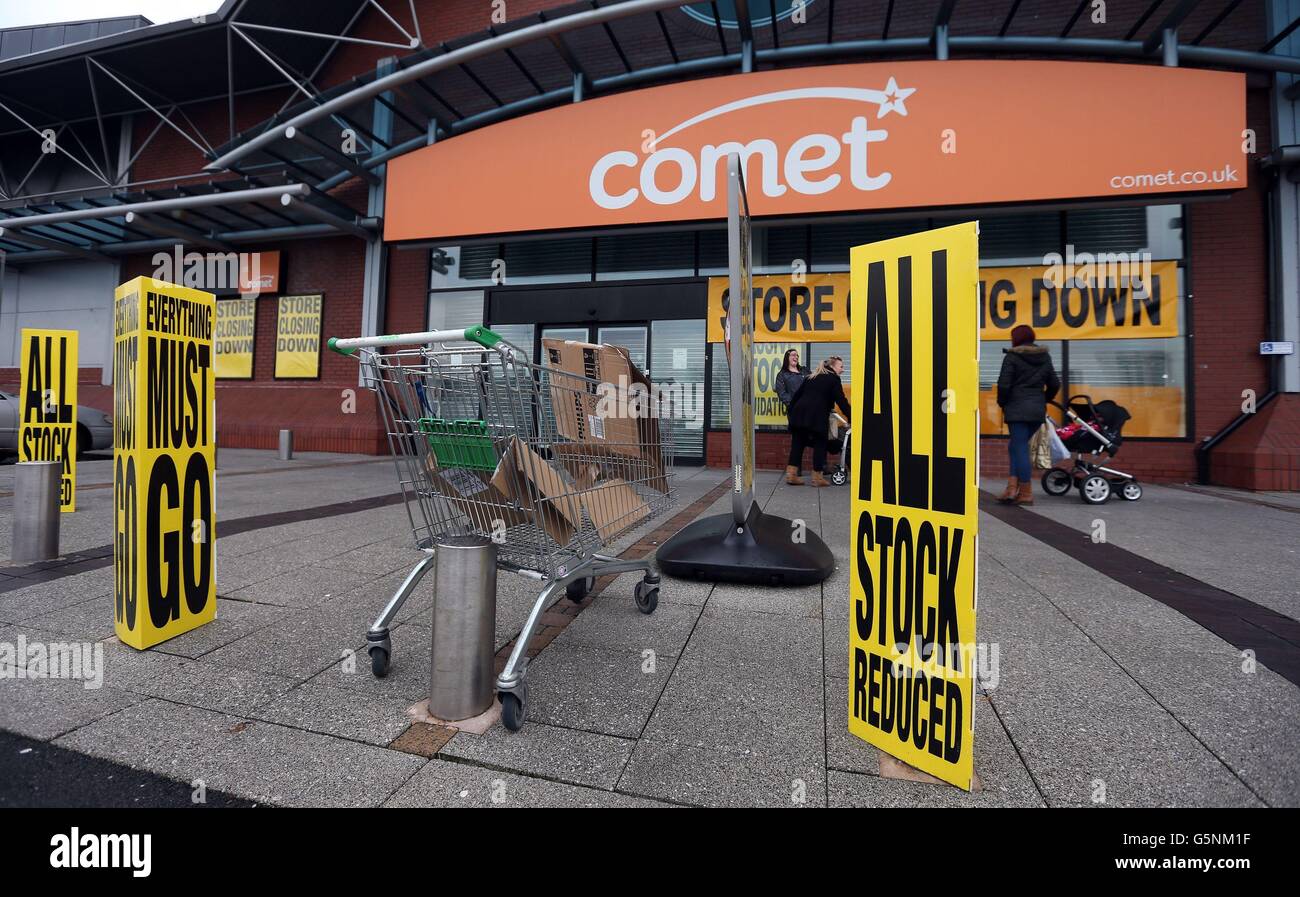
286, 445
464, 627
37, 485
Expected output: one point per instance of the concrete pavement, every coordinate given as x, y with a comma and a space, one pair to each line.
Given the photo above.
726, 695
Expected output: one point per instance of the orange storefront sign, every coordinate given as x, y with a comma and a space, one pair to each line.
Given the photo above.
832, 139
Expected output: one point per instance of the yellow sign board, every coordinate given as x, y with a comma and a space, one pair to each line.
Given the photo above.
1102, 301
235, 333
47, 428
164, 438
768, 409
914, 498
810, 307
298, 336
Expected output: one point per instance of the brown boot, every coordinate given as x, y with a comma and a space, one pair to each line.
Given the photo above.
1026, 494
792, 476
818, 479
1009, 494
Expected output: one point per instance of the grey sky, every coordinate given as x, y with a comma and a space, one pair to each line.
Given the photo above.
13, 13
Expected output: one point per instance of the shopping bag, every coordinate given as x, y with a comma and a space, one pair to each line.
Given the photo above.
1040, 449
1059, 451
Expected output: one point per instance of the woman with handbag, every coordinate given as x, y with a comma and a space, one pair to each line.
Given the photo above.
1026, 383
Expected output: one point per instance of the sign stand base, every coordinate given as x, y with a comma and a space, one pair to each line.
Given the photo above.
763, 551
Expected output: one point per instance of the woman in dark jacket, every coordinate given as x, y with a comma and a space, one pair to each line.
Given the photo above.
810, 417
1025, 385
788, 381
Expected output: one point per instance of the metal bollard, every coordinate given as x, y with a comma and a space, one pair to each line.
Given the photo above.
37, 485
464, 627
286, 445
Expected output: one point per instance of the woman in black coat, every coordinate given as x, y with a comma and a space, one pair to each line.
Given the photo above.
788, 381
1026, 383
810, 417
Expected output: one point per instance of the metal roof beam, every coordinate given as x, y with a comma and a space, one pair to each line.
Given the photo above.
168, 227
44, 243
325, 217
543, 29
160, 205
1160, 35
339, 158
746, 27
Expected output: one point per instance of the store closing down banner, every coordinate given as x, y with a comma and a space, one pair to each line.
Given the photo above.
164, 473
234, 338
47, 429
828, 139
914, 499
1091, 304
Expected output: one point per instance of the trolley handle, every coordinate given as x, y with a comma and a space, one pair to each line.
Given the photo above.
476, 334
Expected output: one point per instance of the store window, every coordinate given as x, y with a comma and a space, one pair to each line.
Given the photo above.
1101, 249
547, 261
637, 256
677, 366
457, 266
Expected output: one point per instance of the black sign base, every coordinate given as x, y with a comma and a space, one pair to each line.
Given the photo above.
765, 552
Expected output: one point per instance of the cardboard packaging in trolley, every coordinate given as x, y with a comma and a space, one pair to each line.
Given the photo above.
614, 419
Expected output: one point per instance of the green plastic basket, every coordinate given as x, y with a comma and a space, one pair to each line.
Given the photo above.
459, 443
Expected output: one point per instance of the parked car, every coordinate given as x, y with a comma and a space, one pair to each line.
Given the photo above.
94, 427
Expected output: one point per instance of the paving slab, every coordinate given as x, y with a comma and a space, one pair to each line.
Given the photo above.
308, 586
182, 680
613, 621
258, 760
548, 752
234, 620
443, 784
595, 689
38, 598
342, 712
299, 645
746, 681
47, 708
702, 776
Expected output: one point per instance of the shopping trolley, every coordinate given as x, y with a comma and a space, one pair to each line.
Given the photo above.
488, 443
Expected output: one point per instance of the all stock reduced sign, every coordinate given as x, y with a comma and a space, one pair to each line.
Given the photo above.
47, 426
914, 499
164, 436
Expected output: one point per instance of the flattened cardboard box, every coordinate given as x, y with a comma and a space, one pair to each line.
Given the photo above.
613, 507
525, 477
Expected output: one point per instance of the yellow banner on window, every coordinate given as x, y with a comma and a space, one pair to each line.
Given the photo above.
164, 438
47, 423
1092, 301
805, 308
234, 338
298, 337
914, 498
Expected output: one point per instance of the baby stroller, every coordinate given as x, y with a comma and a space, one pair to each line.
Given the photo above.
1095, 430
839, 474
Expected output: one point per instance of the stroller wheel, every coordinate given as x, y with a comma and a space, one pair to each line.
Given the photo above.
1095, 489
1131, 491
1056, 481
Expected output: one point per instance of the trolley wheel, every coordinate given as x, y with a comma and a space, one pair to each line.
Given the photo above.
379, 661
840, 476
1056, 481
646, 596
1095, 490
578, 589
1131, 491
512, 711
